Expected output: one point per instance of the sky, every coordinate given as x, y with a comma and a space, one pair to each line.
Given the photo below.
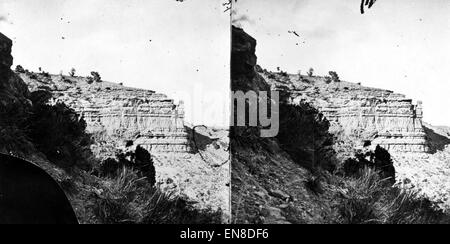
398, 45
180, 49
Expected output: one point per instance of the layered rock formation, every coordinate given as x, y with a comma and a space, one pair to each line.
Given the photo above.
364, 114
367, 115
121, 113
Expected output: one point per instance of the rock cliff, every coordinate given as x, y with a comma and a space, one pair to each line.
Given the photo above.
119, 114
366, 115
13, 91
5, 53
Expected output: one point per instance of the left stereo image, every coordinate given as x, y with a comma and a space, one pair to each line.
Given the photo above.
114, 112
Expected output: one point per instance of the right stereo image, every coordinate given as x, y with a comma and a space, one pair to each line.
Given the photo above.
340, 112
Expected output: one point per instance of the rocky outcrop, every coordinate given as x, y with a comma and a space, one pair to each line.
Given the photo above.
120, 114
6, 59
13, 91
243, 58
366, 115
243, 62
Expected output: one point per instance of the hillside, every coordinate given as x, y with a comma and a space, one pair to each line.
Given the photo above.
338, 142
362, 116
122, 155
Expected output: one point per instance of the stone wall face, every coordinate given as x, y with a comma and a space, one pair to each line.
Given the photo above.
124, 114
6, 59
150, 120
368, 114
392, 123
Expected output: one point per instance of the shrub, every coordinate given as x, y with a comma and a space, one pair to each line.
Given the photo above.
72, 72
379, 160
59, 133
144, 163
334, 76
131, 199
359, 205
304, 136
140, 161
13, 139
310, 72
328, 79
114, 206
96, 76
90, 80
45, 74
406, 207
20, 69
40, 97
33, 76
371, 200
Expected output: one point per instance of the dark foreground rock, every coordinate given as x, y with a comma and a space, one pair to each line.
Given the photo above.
28, 195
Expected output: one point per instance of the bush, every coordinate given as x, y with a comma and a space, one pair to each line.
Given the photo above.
360, 203
40, 97
20, 69
304, 136
59, 133
33, 76
271, 75
90, 80
96, 76
45, 74
334, 76
310, 72
379, 160
328, 79
72, 72
371, 200
140, 161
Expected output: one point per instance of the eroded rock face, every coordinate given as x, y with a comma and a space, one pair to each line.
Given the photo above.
368, 115
243, 58
120, 114
13, 91
6, 59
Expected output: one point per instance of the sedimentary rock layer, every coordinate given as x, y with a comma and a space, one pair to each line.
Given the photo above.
378, 116
120, 113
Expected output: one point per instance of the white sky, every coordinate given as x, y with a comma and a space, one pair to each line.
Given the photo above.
400, 45
188, 56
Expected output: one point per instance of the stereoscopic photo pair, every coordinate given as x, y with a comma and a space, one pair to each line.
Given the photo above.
224, 112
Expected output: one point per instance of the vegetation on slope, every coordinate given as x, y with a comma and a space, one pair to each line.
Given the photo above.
116, 191
296, 178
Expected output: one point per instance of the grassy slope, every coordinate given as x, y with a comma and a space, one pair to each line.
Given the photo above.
112, 200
